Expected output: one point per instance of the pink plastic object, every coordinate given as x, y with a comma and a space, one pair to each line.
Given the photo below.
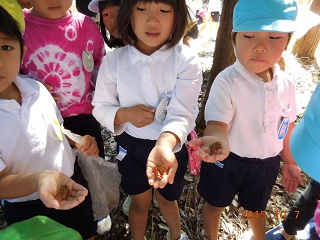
317, 219
194, 160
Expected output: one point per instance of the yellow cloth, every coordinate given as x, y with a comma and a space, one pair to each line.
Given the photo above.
14, 9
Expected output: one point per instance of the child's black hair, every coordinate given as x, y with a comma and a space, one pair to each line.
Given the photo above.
10, 27
112, 42
180, 20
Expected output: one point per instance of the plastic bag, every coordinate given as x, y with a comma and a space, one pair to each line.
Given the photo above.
102, 176
194, 161
103, 180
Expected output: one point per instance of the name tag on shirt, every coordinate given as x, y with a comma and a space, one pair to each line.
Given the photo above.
283, 128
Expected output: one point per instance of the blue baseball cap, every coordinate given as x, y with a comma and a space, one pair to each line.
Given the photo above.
265, 16
305, 138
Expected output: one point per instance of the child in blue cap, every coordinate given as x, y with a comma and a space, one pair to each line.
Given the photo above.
250, 114
305, 149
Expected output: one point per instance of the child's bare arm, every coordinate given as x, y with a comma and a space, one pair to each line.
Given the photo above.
14, 186
139, 115
214, 146
50, 88
47, 183
291, 176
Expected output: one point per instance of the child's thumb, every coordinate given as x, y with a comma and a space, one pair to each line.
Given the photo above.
195, 142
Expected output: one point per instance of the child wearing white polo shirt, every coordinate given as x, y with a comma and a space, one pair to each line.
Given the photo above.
31, 140
147, 95
250, 114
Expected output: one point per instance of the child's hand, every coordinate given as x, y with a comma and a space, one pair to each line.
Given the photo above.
212, 148
161, 166
50, 186
291, 177
50, 88
140, 115
89, 146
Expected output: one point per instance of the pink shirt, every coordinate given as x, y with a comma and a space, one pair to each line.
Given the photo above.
54, 56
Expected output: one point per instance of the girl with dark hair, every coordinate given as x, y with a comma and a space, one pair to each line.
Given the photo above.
82, 7
108, 11
147, 94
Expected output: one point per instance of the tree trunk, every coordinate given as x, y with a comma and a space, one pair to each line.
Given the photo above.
306, 46
223, 55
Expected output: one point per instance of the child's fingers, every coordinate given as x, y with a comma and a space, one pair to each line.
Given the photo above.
150, 174
290, 186
57, 99
90, 146
205, 156
171, 174
196, 142
300, 181
147, 108
48, 87
91, 151
49, 201
78, 190
70, 203
163, 182
294, 186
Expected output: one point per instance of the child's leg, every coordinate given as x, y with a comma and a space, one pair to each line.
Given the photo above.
167, 197
138, 214
254, 196
203, 27
170, 212
302, 210
258, 225
211, 220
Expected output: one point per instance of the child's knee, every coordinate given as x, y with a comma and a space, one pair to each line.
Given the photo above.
165, 203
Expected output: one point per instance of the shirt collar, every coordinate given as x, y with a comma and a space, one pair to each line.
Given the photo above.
24, 87
162, 54
253, 78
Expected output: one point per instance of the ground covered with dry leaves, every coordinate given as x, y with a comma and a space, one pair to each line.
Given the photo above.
233, 222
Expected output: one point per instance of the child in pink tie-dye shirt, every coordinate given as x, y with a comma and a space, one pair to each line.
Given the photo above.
64, 51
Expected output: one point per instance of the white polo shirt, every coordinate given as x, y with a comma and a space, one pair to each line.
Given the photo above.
28, 142
253, 109
214, 6
128, 77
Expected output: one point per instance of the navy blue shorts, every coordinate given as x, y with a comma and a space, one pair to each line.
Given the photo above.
133, 167
251, 179
79, 218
